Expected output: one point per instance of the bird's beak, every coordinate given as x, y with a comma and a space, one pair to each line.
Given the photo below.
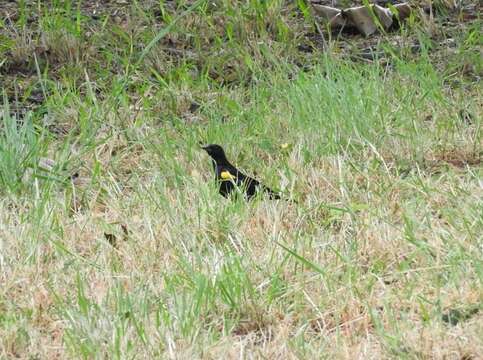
204, 147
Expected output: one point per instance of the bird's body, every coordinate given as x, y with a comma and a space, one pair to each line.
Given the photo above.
233, 180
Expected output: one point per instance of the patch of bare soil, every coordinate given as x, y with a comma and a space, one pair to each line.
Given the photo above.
457, 158
22, 64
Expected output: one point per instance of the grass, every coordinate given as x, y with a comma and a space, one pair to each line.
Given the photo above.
139, 257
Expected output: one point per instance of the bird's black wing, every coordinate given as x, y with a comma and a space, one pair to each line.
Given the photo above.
252, 186
245, 183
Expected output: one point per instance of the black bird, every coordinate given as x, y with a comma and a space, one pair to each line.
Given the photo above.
230, 178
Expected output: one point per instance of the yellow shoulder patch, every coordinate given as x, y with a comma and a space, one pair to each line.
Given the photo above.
226, 175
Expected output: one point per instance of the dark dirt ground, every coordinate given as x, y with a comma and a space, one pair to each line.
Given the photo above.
19, 70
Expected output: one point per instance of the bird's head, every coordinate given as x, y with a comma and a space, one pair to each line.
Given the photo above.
215, 151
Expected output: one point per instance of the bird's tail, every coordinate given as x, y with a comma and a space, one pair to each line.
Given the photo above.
273, 195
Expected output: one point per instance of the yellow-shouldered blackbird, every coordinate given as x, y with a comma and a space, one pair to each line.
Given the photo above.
230, 178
